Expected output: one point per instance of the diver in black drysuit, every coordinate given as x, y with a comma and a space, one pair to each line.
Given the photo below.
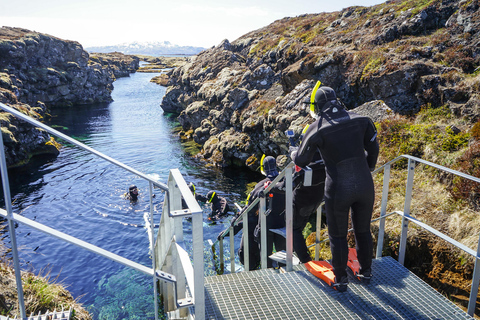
275, 201
343, 137
220, 207
306, 201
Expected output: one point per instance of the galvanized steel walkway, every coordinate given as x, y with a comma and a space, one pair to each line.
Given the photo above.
394, 293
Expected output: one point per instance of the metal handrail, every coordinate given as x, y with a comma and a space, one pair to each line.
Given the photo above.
243, 217
406, 218
36, 123
176, 190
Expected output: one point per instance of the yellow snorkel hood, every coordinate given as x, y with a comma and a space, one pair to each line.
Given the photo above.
312, 100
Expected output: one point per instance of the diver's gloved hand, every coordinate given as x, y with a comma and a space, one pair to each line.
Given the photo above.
220, 236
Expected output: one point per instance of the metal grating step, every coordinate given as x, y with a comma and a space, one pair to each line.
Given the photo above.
241, 276
394, 293
49, 315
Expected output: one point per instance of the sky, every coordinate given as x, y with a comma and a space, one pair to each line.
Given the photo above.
183, 22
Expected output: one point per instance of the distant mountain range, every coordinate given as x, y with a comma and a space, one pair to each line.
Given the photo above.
148, 48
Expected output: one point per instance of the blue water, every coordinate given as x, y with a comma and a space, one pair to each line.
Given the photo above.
82, 195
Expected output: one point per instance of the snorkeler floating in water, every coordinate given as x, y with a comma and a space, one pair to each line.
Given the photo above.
132, 194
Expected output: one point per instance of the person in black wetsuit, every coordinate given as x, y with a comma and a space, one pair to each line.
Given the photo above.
132, 194
219, 204
306, 200
275, 201
348, 145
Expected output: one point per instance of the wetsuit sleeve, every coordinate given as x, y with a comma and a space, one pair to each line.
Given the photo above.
216, 208
304, 155
200, 197
371, 145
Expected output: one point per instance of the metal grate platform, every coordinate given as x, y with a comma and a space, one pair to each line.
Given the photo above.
394, 293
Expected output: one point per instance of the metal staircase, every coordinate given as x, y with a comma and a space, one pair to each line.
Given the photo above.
290, 293
393, 293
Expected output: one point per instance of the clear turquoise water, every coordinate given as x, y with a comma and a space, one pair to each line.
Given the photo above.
82, 195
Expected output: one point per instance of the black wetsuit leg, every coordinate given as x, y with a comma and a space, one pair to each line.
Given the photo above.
351, 188
306, 201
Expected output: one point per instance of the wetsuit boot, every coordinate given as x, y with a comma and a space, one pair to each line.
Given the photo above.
364, 245
339, 248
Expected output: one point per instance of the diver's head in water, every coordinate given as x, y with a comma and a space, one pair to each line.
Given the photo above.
133, 192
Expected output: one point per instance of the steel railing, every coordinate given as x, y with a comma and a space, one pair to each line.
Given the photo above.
405, 214
286, 173
407, 218
180, 282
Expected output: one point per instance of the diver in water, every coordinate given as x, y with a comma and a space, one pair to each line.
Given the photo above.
219, 206
132, 194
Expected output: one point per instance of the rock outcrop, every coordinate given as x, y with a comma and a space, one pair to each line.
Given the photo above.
121, 64
38, 71
395, 57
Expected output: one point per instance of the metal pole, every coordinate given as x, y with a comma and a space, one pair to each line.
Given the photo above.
246, 246
152, 243
198, 265
383, 211
317, 233
475, 282
232, 251
11, 227
263, 233
289, 217
406, 211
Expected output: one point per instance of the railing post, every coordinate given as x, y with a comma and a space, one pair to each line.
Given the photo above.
317, 233
289, 217
406, 211
198, 265
221, 258
472, 301
246, 239
11, 228
263, 233
383, 211
232, 251
152, 244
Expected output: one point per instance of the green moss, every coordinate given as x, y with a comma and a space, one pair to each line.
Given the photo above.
372, 66
263, 106
428, 139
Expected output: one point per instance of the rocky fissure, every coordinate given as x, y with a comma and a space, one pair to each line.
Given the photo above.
39, 71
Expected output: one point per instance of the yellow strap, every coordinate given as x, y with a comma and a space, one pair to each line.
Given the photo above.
211, 198
248, 198
261, 165
305, 129
312, 97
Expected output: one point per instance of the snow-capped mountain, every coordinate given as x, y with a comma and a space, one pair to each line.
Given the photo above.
147, 48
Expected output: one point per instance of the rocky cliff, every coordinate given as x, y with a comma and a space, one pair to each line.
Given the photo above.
238, 98
38, 71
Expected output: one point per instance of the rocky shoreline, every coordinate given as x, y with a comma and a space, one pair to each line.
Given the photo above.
39, 71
